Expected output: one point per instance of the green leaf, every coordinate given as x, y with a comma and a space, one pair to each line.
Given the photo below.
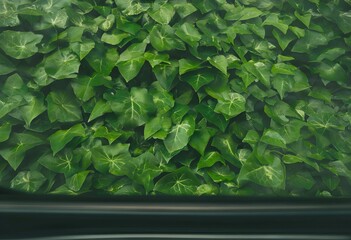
144, 169
28, 181
61, 138
225, 144
301, 180
199, 79
76, 181
241, 13
304, 18
14, 152
189, 34
131, 61
20, 45
83, 87
179, 135
134, 108
162, 38
34, 107
162, 13
14, 85
187, 65
101, 107
231, 105
272, 175
6, 66
273, 138
63, 107
310, 41
220, 62
9, 14
165, 74
62, 64
220, 173
208, 112
5, 131
103, 132
111, 159
332, 72
200, 140
103, 59
209, 159
180, 182
64, 162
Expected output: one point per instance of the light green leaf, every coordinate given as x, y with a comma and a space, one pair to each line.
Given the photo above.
28, 181
180, 135
14, 152
180, 182
111, 159
162, 13
20, 45
220, 62
61, 138
101, 107
273, 138
209, 159
189, 34
231, 105
76, 181
5, 131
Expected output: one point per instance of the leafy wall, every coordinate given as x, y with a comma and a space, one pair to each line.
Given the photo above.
244, 97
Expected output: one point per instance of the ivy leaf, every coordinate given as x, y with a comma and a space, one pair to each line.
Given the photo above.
76, 181
28, 181
5, 131
20, 45
200, 140
189, 34
199, 79
61, 138
165, 74
162, 13
63, 107
144, 169
14, 152
220, 62
6, 66
179, 135
241, 13
65, 162
131, 61
180, 182
102, 59
272, 175
104, 132
220, 173
62, 64
231, 105
209, 159
273, 138
134, 107
101, 107
35, 106
209, 113
111, 159
9, 14
162, 38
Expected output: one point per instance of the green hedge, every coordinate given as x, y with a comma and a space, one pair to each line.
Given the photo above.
195, 97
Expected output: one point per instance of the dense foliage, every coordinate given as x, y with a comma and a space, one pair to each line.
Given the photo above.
230, 97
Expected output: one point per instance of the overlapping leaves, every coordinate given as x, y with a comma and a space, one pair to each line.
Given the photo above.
240, 97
